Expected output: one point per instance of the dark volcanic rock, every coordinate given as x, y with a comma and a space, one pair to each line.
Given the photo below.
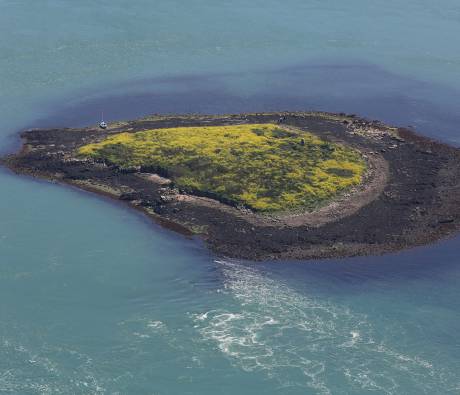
420, 202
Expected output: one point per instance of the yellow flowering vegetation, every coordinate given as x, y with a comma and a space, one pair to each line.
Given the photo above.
261, 166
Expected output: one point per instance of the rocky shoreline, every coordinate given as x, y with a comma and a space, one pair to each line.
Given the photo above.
410, 195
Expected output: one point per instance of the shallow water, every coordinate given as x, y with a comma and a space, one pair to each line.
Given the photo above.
96, 299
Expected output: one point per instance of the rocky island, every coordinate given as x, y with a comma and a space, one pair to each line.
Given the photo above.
264, 185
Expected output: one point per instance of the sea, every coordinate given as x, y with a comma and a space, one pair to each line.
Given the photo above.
97, 299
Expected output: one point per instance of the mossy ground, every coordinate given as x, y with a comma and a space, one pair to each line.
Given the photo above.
262, 166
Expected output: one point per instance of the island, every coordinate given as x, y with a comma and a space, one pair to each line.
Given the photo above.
262, 186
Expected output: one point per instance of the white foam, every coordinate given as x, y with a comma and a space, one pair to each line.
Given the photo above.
304, 342
44, 375
155, 324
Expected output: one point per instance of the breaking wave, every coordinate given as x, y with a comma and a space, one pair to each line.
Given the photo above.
305, 343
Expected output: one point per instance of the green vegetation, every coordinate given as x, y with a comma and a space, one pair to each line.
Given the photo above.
262, 166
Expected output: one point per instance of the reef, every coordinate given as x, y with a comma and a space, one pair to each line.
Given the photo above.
290, 185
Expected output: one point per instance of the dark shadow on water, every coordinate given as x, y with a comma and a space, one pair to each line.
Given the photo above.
363, 89
428, 262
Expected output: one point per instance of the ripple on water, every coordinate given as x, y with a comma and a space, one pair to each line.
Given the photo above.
302, 342
30, 372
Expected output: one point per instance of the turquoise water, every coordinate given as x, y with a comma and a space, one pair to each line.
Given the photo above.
95, 299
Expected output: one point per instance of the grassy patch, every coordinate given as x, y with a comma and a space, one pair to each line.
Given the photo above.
262, 166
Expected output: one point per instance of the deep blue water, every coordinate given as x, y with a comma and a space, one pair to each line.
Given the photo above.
363, 88
94, 298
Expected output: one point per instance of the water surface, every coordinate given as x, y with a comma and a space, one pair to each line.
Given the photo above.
96, 299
